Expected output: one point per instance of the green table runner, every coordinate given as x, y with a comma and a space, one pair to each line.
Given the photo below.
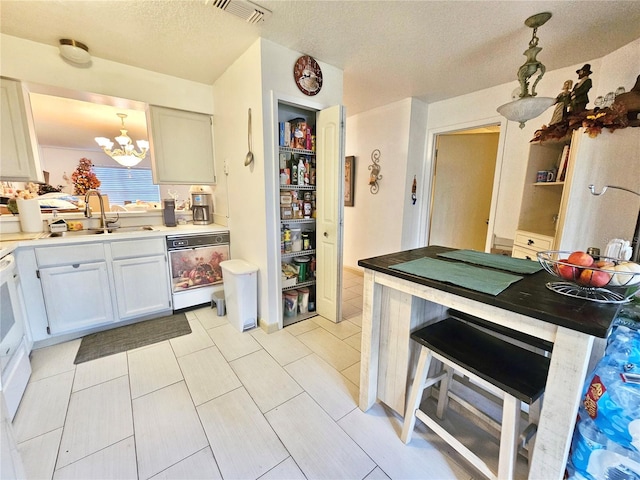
502, 262
461, 274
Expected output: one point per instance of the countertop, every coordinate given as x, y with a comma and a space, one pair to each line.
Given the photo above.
10, 241
528, 296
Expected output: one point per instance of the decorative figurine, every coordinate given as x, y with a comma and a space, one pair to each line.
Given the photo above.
562, 103
579, 97
631, 102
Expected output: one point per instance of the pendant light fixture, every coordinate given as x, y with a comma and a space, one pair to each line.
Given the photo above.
127, 155
528, 105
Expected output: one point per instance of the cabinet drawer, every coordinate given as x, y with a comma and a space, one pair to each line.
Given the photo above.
70, 254
526, 253
138, 248
533, 241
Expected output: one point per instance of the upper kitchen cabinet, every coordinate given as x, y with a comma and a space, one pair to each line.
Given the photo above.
181, 146
19, 161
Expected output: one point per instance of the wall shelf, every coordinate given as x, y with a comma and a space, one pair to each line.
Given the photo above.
298, 151
298, 285
297, 254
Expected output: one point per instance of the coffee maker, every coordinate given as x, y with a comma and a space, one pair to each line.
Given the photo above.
202, 208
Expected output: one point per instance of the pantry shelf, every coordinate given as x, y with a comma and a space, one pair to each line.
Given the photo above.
297, 254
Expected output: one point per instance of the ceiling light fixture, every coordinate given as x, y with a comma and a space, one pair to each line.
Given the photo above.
74, 51
126, 156
529, 106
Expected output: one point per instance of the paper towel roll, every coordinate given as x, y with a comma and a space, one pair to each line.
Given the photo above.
30, 216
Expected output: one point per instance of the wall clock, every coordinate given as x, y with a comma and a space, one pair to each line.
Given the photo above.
307, 75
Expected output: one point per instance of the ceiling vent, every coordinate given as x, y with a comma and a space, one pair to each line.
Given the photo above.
249, 12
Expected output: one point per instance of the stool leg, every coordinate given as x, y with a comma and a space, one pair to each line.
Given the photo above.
534, 417
416, 394
508, 437
443, 396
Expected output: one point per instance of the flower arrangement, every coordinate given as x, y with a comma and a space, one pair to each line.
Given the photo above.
83, 177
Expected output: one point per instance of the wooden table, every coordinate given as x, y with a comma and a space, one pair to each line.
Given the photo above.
396, 303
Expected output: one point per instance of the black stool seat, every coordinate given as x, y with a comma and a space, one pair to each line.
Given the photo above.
519, 372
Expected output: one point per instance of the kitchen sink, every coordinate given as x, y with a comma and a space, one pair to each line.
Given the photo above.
79, 233
140, 228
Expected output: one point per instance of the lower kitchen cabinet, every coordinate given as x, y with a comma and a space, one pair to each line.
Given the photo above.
142, 286
77, 288
76, 296
141, 277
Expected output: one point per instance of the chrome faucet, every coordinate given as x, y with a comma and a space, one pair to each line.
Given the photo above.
87, 210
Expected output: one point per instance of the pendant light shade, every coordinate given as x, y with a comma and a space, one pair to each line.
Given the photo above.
528, 105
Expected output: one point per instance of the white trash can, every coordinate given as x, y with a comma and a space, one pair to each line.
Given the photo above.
241, 293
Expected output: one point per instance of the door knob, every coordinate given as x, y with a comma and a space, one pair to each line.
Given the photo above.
326, 234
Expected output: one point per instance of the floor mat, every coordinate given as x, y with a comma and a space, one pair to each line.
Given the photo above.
125, 338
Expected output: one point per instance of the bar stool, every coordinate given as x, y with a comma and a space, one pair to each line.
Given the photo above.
519, 374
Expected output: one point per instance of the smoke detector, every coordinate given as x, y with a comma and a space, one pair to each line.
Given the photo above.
247, 11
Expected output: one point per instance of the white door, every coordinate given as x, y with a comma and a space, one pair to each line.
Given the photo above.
76, 296
329, 211
181, 147
142, 286
462, 190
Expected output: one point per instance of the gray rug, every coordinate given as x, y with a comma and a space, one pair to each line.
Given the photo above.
137, 335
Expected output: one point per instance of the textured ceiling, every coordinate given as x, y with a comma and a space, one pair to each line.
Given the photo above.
389, 50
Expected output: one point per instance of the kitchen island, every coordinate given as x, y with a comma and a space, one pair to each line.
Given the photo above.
396, 303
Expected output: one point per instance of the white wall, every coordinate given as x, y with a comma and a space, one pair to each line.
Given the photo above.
384, 222
45, 66
263, 70
278, 83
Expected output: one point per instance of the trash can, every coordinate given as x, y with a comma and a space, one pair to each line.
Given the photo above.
241, 293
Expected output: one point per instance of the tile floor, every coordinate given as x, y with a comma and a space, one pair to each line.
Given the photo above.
221, 404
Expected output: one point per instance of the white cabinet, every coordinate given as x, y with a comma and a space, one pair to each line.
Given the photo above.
75, 286
19, 157
325, 225
141, 277
181, 146
564, 215
76, 296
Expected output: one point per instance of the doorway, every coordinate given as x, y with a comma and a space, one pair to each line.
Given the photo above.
462, 187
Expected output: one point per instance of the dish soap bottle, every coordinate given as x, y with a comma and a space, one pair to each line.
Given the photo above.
301, 171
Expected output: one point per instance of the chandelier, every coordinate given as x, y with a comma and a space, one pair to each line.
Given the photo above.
528, 106
126, 155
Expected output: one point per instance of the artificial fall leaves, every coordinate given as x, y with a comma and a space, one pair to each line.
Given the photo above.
593, 121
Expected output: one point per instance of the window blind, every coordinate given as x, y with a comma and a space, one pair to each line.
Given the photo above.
127, 184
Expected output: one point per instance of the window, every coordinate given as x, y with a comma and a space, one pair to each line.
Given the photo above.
127, 184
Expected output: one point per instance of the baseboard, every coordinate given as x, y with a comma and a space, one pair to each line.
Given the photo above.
268, 327
357, 271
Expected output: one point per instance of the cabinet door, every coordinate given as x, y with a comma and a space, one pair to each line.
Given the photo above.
142, 286
19, 160
181, 146
76, 296
329, 211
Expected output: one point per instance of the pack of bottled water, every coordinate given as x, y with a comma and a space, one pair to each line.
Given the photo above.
606, 441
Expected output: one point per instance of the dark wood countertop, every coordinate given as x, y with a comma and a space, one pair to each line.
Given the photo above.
528, 296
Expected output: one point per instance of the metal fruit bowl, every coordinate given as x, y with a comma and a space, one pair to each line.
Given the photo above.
608, 283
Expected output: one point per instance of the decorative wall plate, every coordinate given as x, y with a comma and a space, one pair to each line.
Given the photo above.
307, 75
